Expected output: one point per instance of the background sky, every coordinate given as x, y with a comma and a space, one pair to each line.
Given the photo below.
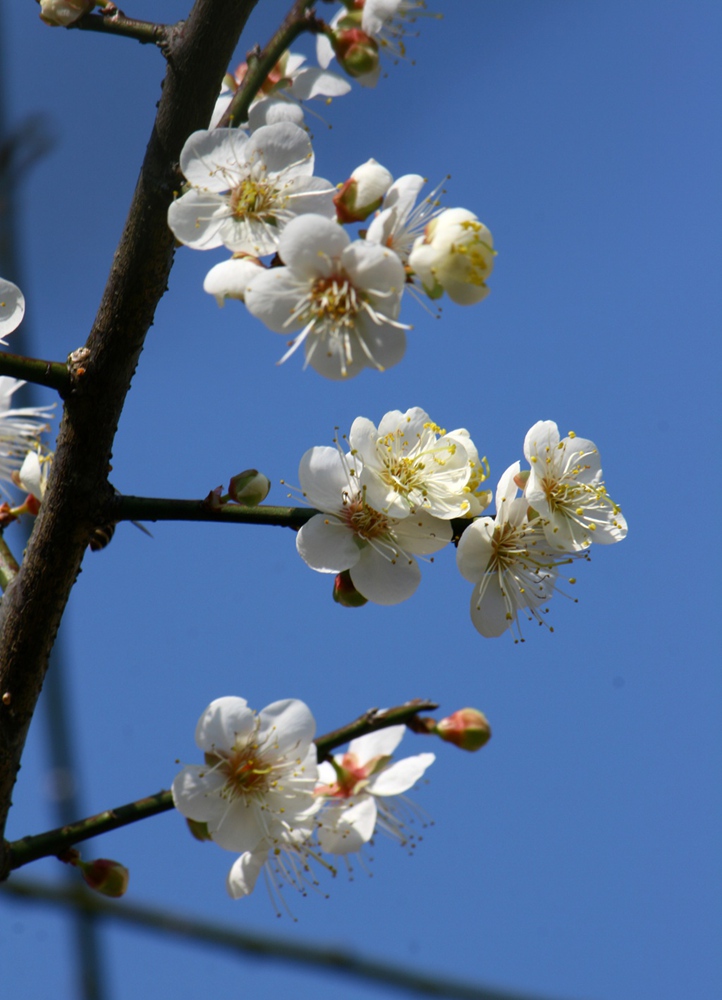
577, 855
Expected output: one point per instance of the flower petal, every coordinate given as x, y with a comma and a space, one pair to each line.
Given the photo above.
227, 722
244, 874
399, 777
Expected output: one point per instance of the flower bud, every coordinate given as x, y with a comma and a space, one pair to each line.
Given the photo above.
467, 729
107, 877
61, 13
345, 593
455, 255
363, 192
249, 488
521, 478
230, 278
356, 52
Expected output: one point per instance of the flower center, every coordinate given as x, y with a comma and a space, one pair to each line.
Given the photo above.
246, 773
252, 197
334, 302
362, 519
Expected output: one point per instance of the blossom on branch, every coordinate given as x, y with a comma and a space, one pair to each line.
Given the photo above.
255, 790
566, 488
409, 464
349, 534
244, 189
343, 297
510, 562
61, 13
358, 790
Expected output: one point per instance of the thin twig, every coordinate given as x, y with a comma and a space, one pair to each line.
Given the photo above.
114, 22
53, 374
329, 959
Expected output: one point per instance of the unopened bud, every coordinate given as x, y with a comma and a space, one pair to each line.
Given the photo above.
356, 52
230, 278
249, 488
61, 13
345, 593
467, 729
107, 877
363, 192
521, 478
198, 829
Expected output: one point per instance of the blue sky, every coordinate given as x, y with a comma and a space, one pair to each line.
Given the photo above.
576, 856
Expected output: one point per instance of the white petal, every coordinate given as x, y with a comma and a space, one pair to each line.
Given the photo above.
346, 827
271, 111
283, 147
324, 476
475, 550
382, 743
230, 278
540, 439
196, 794
326, 546
489, 609
310, 245
215, 159
289, 724
12, 307
399, 777
196, 219
422, 534
313, 82
382, 581
30, 475
273, 296
244, 874
241, 825
225, 723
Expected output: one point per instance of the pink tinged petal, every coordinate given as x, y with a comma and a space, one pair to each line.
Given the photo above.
385, 575
325, 476
475, 551
399, 777
197, 794
422, 534
227, 722
273, 296
312, 82
290, 727
345, 827
489, 609
282, 148
196, 219
215, 159
244, 874
327, 546
382, 743
12, 307
310, 245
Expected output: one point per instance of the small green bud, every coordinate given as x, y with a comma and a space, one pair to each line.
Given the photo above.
249, 488
344, 592
107, 877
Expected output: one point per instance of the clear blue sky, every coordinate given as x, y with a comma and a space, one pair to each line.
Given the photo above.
577, 856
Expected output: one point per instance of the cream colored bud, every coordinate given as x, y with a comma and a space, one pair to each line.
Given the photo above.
61, 13
249, 488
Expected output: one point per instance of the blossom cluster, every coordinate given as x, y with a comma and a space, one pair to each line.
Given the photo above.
393, 494
261, 793
253, 190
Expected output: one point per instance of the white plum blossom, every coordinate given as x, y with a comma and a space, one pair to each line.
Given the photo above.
348, 534
401, 221
343, 297
455, 255
20, 430
255, 790
230, 278
566, 488
61, 13
409, 464
358, 789
510, 562
288, 82
12, 309
244, 189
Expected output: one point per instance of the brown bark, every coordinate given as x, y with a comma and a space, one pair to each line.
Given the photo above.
198, 53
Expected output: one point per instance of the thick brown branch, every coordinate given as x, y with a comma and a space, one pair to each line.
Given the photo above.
198, 55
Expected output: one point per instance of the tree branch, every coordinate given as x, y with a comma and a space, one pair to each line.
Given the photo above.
53, 374
199, 53
114, 22
329, 959
54, 842
298, 20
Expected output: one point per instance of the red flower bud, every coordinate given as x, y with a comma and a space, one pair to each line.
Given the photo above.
467, 729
